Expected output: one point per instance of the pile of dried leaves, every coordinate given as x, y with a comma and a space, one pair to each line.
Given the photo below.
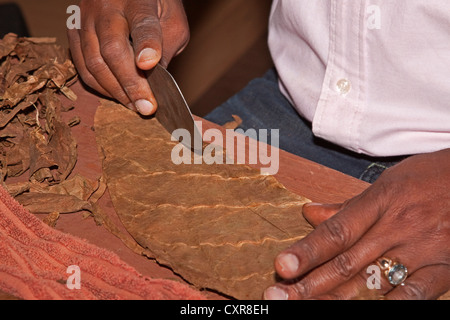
35, 142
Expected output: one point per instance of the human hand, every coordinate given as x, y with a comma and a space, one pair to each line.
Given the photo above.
112, 65
404, 215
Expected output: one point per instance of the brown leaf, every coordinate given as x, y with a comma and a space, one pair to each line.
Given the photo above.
19, 90
56, 152
8, 114
69, 196
41, 157
7, 44
218, 226
14, 144
51, 219
18, 188
50, 202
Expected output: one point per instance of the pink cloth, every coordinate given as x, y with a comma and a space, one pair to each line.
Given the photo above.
35, 261
371, 76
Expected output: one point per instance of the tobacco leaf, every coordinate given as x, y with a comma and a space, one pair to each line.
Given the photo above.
8, 114
218, 226
8, 44
19, 90
14, 147
71, 195
33, 136
51, 219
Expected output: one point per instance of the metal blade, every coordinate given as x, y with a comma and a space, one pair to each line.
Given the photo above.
173, 112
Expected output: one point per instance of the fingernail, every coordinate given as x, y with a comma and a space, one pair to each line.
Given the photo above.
148, 54
144, 107
274, 293
313, 204
288, 263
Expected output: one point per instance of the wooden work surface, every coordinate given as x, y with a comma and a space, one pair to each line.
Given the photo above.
317, 183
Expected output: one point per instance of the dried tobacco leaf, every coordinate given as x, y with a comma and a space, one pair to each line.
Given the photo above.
33, 135
51, 219
218, 226
14, 147
19, 90
71, 195
8, 114
8, 44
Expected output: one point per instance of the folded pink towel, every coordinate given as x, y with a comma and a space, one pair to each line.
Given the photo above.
38, 262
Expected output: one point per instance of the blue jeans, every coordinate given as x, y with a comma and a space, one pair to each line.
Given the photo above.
261, 105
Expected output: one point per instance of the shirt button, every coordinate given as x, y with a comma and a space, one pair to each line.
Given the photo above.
343, 86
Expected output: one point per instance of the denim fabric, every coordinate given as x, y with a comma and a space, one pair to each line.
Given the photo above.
261, 105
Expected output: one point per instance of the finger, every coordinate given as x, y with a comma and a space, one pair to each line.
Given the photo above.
98, 68
78, 59
355, 289
366, 251
118, 54
329, 239
342, 278
368, 284
316, 213
406, 255
372, 278
358, 288
343, 268
427, 283
145, 29
175, 29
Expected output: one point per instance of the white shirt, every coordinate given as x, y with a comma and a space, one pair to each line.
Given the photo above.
371, 76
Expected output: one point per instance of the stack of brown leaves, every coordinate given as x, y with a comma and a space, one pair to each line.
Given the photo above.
34, 139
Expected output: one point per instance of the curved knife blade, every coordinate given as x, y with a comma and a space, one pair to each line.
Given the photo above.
173, 112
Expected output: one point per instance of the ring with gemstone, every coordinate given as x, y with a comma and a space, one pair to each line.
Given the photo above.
395, 272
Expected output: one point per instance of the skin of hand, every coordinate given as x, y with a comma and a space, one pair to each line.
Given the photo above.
120, 39
404, 215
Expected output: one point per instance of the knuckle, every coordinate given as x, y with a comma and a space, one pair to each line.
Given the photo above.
302, 289
112, 50
414, 291
120, 95
338, 233
331, 296
95, 64
133, 89
310, 251
342, 266
143, 22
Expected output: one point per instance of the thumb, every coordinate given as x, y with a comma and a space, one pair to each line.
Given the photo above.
145, 31
316, 213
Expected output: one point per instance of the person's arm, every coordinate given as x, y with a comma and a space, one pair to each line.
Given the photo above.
404, 216
119, 39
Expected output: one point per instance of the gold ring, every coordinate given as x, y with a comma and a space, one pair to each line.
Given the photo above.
395, 272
